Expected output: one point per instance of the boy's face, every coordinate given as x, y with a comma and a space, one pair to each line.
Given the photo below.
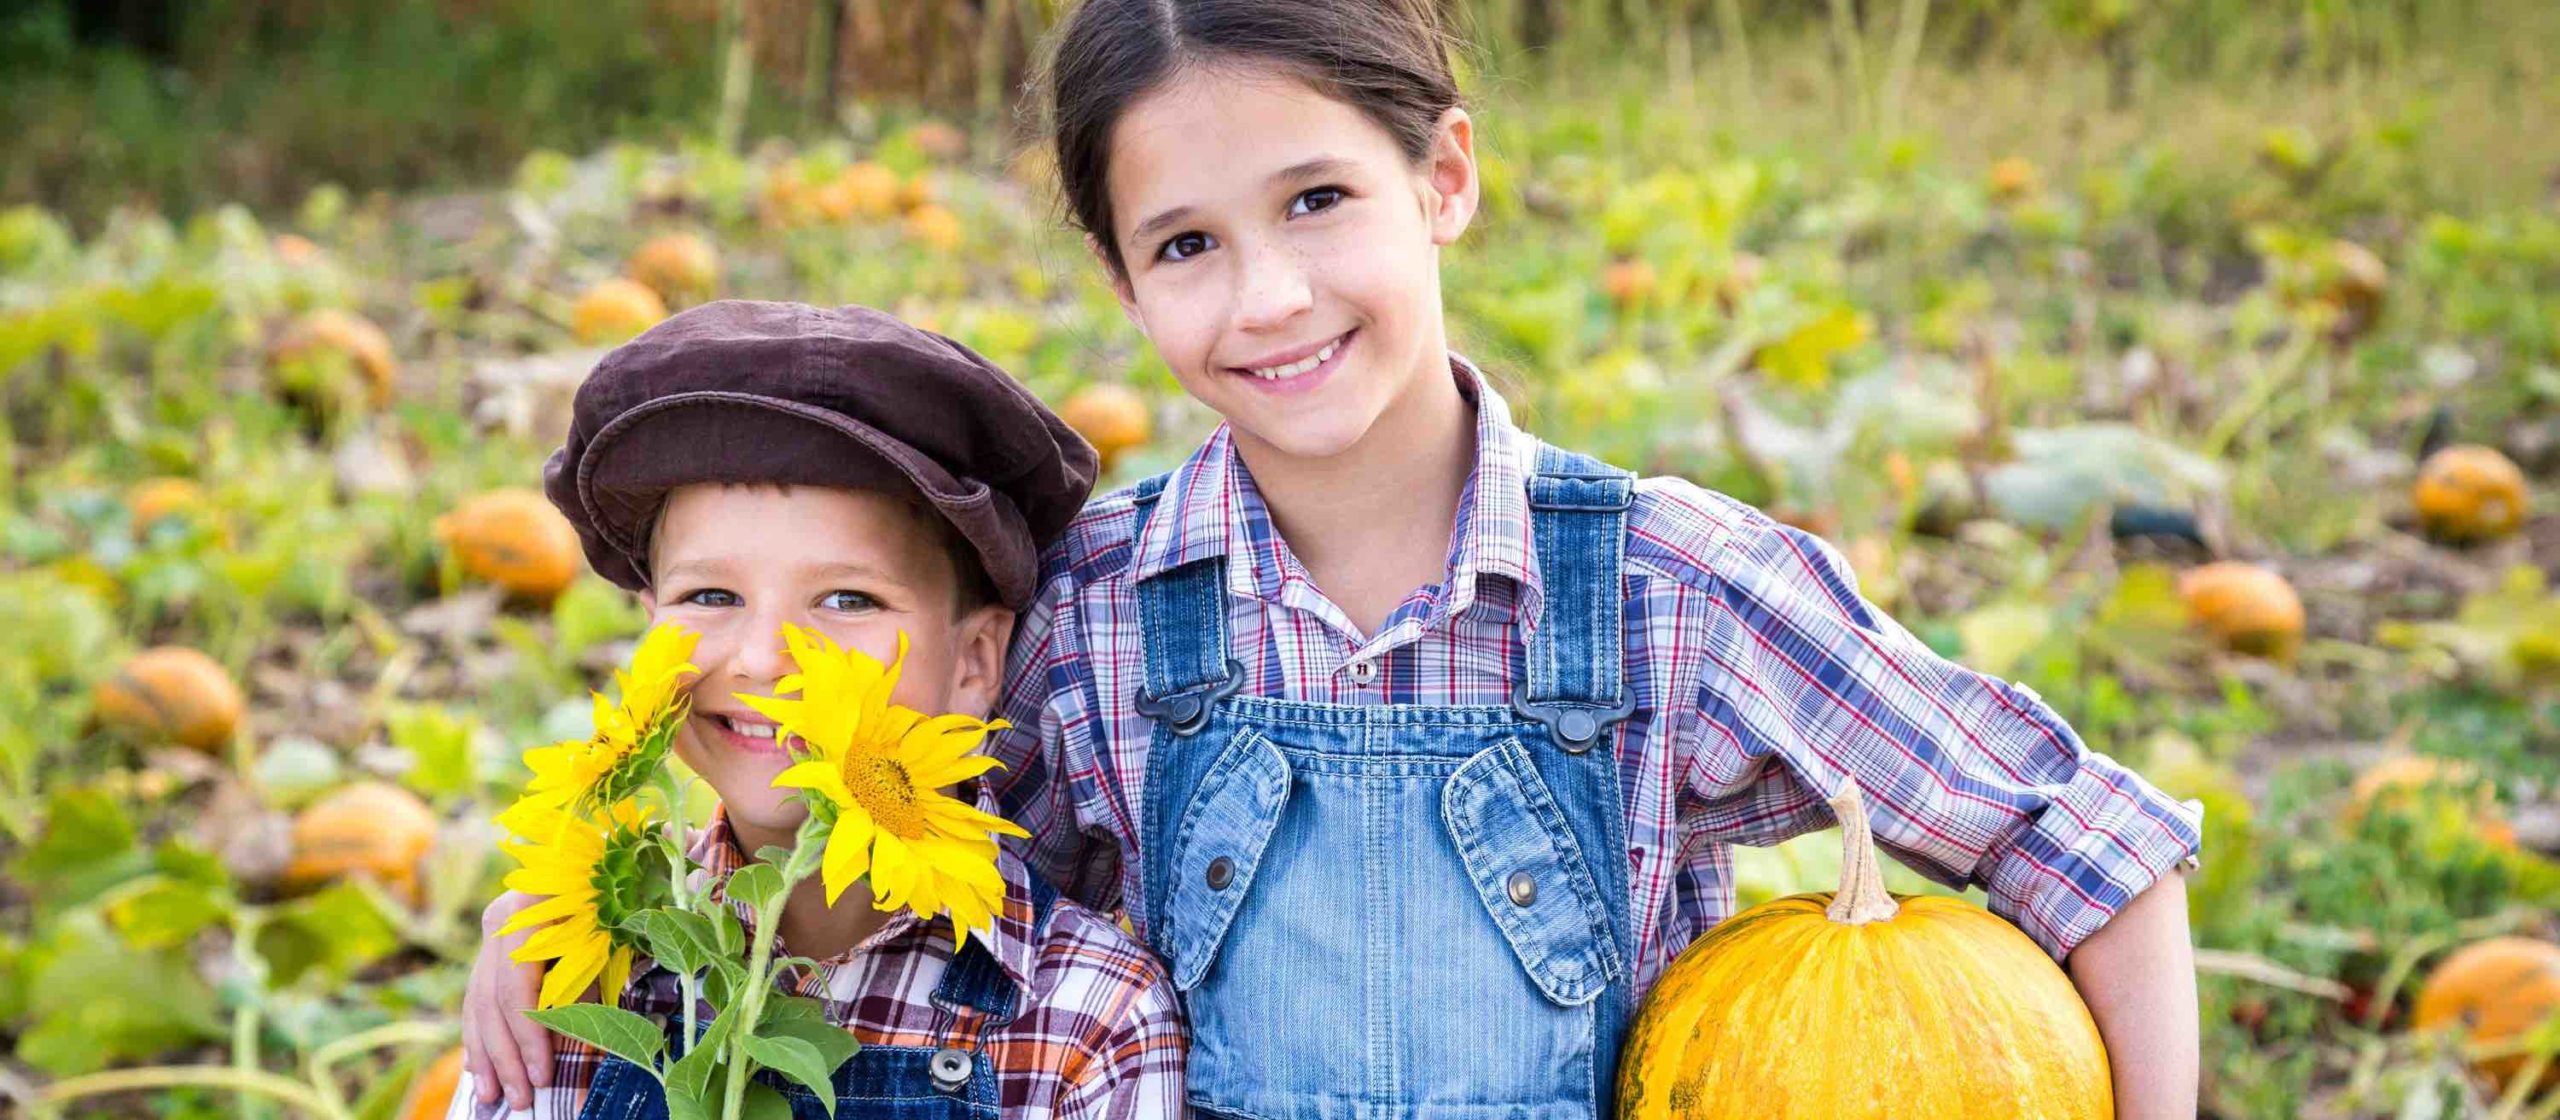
735, 563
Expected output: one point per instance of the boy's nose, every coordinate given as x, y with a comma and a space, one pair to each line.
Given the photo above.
761, 659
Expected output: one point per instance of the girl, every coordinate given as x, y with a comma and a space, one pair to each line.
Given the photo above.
1413, 744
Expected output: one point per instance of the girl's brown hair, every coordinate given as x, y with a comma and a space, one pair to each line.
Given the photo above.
1387, 58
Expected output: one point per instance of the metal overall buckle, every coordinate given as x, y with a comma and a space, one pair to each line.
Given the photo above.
1186, 712
1575, 728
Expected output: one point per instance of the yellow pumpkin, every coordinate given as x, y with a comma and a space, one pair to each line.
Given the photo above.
432, 1093
614, 311
677, 266
369, 828
2470, 493
2245, 607
2494, 992
314, 357
1113, 418
171, 694
1857, 1004
515, 539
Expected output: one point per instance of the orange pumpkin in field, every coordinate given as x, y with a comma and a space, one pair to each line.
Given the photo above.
314, 357
369, 828
2495, 992
172, 694
2470, 493
1860, 1004
615, 310
2245, 607
155, 498
432, 1093
1113, 418
936, 227
515, 539
2397, 777
677, 266
1628, 282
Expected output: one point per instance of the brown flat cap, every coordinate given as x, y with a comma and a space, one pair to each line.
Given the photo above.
741, 391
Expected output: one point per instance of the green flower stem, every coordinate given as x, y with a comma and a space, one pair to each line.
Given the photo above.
316, 1066
673, 791
806, 848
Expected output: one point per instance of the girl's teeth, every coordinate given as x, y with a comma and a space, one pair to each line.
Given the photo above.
1293, 369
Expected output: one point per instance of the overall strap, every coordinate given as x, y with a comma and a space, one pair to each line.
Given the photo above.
1182, 621
1574, 678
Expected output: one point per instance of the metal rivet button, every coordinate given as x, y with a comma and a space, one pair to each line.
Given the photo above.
950, 1067
1579, 725
1222, 871
1524, 890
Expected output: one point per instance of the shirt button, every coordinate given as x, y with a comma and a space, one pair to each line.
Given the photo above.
1363, 671
1222, 871
1523, 888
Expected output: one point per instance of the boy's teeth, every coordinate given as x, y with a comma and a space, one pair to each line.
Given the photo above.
1293, 369
750, 730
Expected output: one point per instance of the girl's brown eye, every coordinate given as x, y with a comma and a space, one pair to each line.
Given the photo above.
1314, 200
1184, 245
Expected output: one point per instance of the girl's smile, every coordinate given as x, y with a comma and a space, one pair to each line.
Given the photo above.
1298, 370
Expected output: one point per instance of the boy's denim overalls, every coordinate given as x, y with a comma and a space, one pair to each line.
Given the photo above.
1399, 910
953, 1079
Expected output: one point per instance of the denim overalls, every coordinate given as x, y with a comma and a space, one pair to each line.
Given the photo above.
1399, 910
954, 1079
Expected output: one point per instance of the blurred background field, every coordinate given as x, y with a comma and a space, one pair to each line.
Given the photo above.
2195, 364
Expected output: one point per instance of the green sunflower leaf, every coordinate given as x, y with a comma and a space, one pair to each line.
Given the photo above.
727, 935
678, 939
693, 1073
758, 885
799, 1060
763, 1103
835, 1045
610, 1029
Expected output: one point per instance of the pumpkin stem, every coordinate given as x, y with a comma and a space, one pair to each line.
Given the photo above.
1861, 898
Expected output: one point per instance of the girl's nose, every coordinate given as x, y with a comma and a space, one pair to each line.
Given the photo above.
1272, 290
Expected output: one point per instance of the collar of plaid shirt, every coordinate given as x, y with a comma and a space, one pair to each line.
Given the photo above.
1217, 511
716, 849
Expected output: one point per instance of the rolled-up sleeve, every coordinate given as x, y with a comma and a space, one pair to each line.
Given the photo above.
1047, 743
1969, 779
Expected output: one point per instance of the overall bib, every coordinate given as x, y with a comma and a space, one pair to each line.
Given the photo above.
954, 1079
1391, 911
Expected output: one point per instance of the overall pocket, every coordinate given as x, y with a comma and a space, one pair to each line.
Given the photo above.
1217, 848
1531, 874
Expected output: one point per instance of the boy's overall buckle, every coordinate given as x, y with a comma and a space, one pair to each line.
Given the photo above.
1574, 727
1186, 712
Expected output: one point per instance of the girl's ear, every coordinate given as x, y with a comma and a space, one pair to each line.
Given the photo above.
1119, 280
1450, 171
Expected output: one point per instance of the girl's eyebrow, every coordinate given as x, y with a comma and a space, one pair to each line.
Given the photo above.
1148, 229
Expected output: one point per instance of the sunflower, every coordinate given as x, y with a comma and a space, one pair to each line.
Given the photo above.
630, 740
597, 874
877, 768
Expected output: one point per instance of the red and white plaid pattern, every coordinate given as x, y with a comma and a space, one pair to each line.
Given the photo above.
1097, 1033
1763, 682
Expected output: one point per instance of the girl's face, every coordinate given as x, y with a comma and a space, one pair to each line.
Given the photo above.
734, 563
1283, 254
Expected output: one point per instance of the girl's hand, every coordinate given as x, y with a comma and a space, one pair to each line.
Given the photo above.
504, 1050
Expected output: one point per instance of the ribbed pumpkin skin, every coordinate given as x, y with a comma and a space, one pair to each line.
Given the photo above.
1942, 1012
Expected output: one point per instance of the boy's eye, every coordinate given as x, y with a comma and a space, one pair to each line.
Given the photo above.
848, 601
1183, 246
1314, 199
710, 597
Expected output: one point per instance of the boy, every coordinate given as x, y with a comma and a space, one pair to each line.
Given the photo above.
743, 466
